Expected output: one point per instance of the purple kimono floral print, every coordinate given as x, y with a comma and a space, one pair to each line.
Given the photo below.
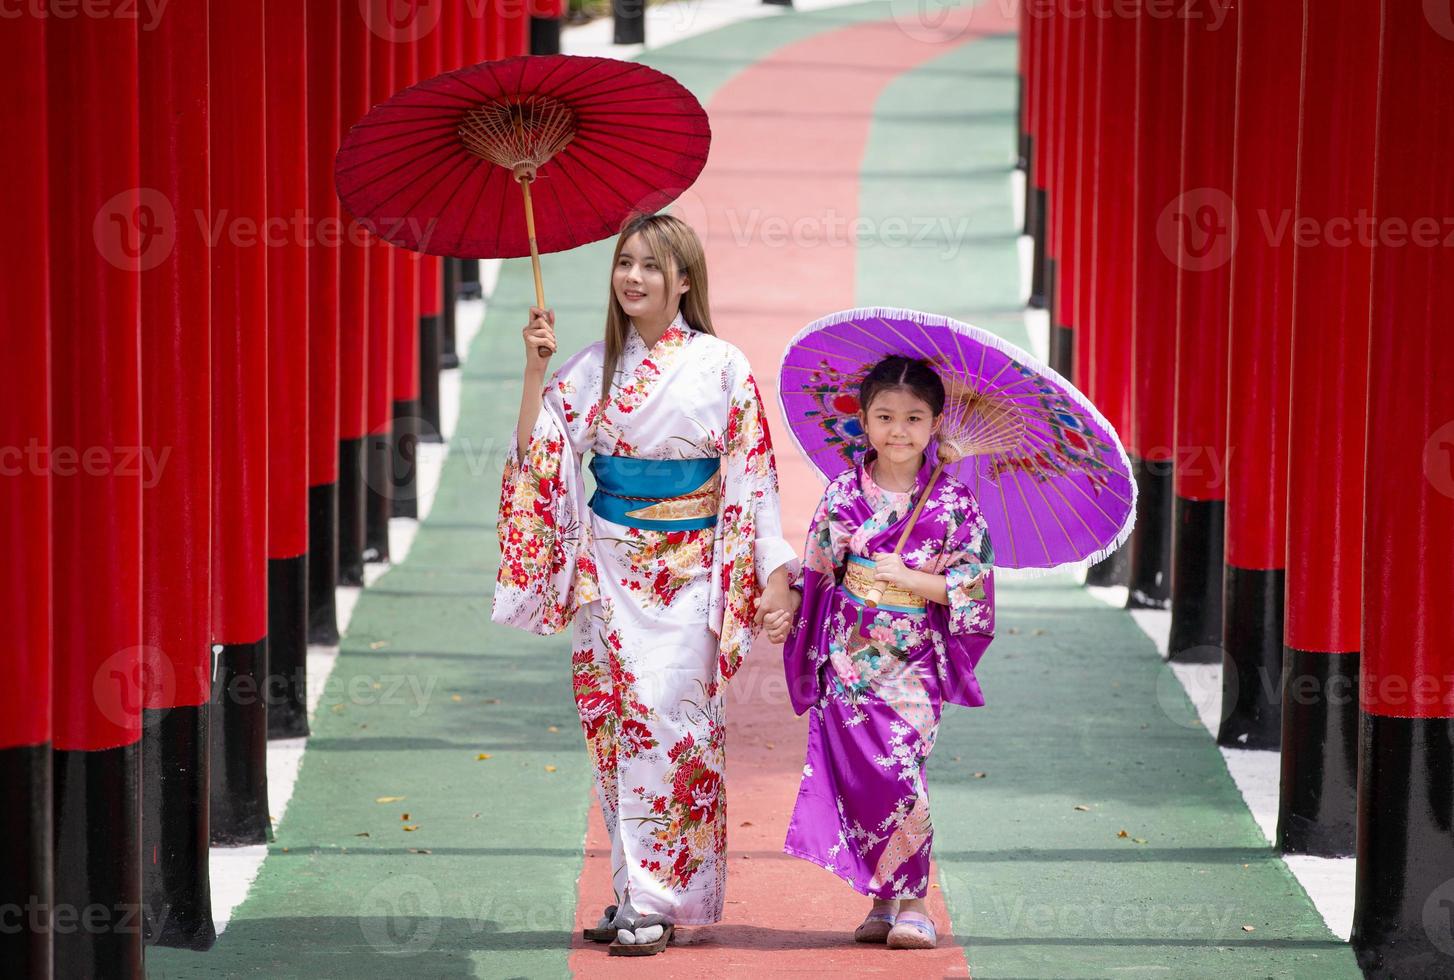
660, 619
874, 681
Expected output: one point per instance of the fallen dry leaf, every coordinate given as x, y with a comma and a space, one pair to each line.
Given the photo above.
411, 827
455, 697
980, 775
550, 768
420, 850
378, 644
552, 728
362, 833
492, 700
771, 746
1122, 833
1138, 840
403, 816
482, 755
1248, 929
745, 823
1081, 807
388, 799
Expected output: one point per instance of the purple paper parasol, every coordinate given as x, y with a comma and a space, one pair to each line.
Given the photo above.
1048, 470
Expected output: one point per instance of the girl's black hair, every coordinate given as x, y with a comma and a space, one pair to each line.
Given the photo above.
907, 373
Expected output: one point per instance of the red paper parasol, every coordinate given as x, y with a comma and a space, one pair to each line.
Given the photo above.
590, 140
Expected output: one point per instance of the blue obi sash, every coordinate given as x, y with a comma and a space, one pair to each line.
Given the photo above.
656, 494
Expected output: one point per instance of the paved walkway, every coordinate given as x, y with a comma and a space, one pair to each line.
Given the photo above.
1085, 826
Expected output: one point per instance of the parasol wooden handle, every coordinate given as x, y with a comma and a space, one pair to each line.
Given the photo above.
874, 595
534, 252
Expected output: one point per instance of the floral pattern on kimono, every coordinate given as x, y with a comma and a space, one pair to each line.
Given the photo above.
874, 682
660, 619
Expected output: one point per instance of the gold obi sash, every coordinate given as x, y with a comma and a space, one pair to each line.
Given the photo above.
858, 582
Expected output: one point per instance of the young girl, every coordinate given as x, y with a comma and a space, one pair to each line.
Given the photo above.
875, 679
663, 574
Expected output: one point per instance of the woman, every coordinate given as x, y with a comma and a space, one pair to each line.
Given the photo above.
664, 573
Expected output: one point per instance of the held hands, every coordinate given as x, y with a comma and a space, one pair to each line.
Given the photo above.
539, 333
778, 607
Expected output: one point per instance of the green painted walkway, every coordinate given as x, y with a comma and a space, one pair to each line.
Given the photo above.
425, 684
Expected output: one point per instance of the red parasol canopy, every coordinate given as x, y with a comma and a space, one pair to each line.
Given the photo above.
593, 139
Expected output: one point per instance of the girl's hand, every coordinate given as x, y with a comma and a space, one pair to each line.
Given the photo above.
889, 569
539, 333
779, 622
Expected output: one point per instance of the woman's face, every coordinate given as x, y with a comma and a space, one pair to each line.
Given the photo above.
899, 424
639, 281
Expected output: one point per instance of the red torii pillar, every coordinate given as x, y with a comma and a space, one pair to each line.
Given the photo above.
1064, 118
1269, 105
1161, 62
379, 449
1109, 286
239, 427
431, 279
1202, 220
1327, 407
1404, 897
324, 262
25, 512
354, 327
176, 360
1082, 169
403, 480
102, 230
288, 341
1038, 26
456, 51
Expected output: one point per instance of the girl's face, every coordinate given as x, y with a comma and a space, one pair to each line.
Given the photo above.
899, 425
640, 282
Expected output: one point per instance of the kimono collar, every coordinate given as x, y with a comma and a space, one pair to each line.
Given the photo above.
920, 481
675, 332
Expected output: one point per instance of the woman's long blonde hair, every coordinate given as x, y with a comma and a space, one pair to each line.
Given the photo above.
679, 251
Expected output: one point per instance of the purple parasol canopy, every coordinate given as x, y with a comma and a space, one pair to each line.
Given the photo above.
1050, 473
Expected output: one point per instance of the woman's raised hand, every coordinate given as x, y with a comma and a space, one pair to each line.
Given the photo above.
539, 336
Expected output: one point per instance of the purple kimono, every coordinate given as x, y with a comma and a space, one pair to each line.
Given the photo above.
875, 680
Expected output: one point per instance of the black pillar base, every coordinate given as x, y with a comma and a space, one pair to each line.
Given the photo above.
545, 35
239, 746
1038, 262
1403, 913
287, 677
1318, 792
1113, 569
629, 21
431, 331
1149, 574
448, 355
1062, 351
1196, 581
323, 564
1027, 151
468, 286
175, 879
351, 510
25, 861
404, 463
1252, 603
97, 832
378, 507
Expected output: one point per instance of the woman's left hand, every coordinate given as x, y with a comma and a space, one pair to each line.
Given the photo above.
889, 569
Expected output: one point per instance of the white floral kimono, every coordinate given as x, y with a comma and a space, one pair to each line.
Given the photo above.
661, 617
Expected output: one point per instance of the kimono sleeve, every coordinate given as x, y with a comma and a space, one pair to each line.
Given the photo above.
969, 575
547, 570
807, 644
749, 545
